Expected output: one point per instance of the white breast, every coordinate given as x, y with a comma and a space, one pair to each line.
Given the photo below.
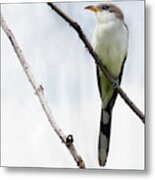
110, 42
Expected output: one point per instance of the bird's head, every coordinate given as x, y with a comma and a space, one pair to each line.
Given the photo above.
106, 12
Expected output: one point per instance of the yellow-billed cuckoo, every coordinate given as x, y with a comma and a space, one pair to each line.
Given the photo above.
110, 42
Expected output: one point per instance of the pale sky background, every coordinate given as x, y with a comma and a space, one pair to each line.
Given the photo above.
66, 70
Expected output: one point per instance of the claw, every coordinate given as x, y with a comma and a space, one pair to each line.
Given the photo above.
115, 83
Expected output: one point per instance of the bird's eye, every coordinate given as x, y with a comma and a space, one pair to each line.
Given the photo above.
105, 7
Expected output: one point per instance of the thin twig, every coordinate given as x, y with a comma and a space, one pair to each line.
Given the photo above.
99, 63
39, 92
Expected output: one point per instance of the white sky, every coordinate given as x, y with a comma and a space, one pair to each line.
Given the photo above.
64, 67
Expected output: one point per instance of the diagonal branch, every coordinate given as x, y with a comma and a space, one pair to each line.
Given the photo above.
87, 44
39, 91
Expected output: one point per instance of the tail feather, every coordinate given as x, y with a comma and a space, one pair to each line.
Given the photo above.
105, 129
105, 124
104, 136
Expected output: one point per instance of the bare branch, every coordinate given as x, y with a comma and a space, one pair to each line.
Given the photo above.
98, 62
39, 92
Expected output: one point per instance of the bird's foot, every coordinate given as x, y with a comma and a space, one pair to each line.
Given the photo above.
115, 83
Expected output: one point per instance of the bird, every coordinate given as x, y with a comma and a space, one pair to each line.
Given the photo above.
110, 43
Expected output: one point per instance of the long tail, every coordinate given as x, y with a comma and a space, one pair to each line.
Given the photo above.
104, 136
105, 122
